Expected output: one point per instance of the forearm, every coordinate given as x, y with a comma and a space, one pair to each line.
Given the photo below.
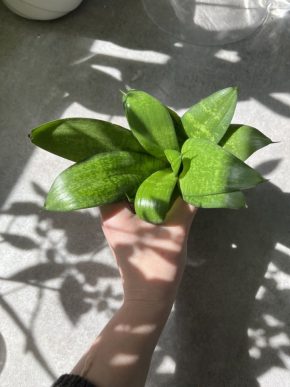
151, 261
121, 354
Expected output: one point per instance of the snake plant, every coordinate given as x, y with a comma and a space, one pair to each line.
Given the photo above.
199, 156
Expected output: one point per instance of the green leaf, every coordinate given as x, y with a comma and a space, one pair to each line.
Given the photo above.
77, 139
131, 198
174, 159
105, 178
153, 198
210, 118
179, 129
233, 200
209, 169
243, 140
150, 122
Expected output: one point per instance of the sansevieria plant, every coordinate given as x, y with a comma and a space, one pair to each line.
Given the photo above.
199, 156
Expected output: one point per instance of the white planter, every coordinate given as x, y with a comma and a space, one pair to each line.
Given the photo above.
42, 9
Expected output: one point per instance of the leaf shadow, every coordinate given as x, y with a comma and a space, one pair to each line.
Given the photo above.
260, 68
218, 316
269, 166
66, 266
3, 353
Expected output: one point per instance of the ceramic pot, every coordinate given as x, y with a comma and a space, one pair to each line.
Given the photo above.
42, 9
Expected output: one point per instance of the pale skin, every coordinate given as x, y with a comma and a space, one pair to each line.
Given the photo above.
151, 260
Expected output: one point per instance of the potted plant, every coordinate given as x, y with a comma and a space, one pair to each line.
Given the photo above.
42, 9
199, 156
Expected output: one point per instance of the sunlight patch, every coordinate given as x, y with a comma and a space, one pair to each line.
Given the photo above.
167, 366
272, 321
139, 330
75, 109
282, 248
111, 71
228, 56
110, 49
123, 359
281, 97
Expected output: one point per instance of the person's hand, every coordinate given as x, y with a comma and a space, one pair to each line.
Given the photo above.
151, 258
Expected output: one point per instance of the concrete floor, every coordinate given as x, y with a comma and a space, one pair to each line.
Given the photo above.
59, 285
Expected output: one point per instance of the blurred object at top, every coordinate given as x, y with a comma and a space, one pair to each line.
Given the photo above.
210, 22
280, 7
42, 9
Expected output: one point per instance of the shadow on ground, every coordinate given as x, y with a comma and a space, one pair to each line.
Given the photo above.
56, 238
216, 308
229, 251
207, 336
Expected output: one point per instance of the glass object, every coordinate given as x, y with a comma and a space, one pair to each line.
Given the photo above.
280, 7
208, 22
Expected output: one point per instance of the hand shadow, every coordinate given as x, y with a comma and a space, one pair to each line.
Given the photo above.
229, 252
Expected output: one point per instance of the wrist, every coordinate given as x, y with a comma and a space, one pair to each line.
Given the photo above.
156, 294
156, 312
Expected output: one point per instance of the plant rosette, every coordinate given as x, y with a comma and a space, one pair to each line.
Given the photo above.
199, 156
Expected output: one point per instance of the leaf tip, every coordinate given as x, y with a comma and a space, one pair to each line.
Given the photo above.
126, 95
31, 135
232, 92
230, 89
47, 207
51, 204
55, 206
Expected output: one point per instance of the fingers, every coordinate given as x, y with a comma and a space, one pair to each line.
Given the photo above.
118, 210
181, 213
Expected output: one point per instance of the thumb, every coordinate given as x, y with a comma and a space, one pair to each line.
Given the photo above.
181, 213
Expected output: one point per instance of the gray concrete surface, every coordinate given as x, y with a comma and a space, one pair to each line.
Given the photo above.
59, 284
